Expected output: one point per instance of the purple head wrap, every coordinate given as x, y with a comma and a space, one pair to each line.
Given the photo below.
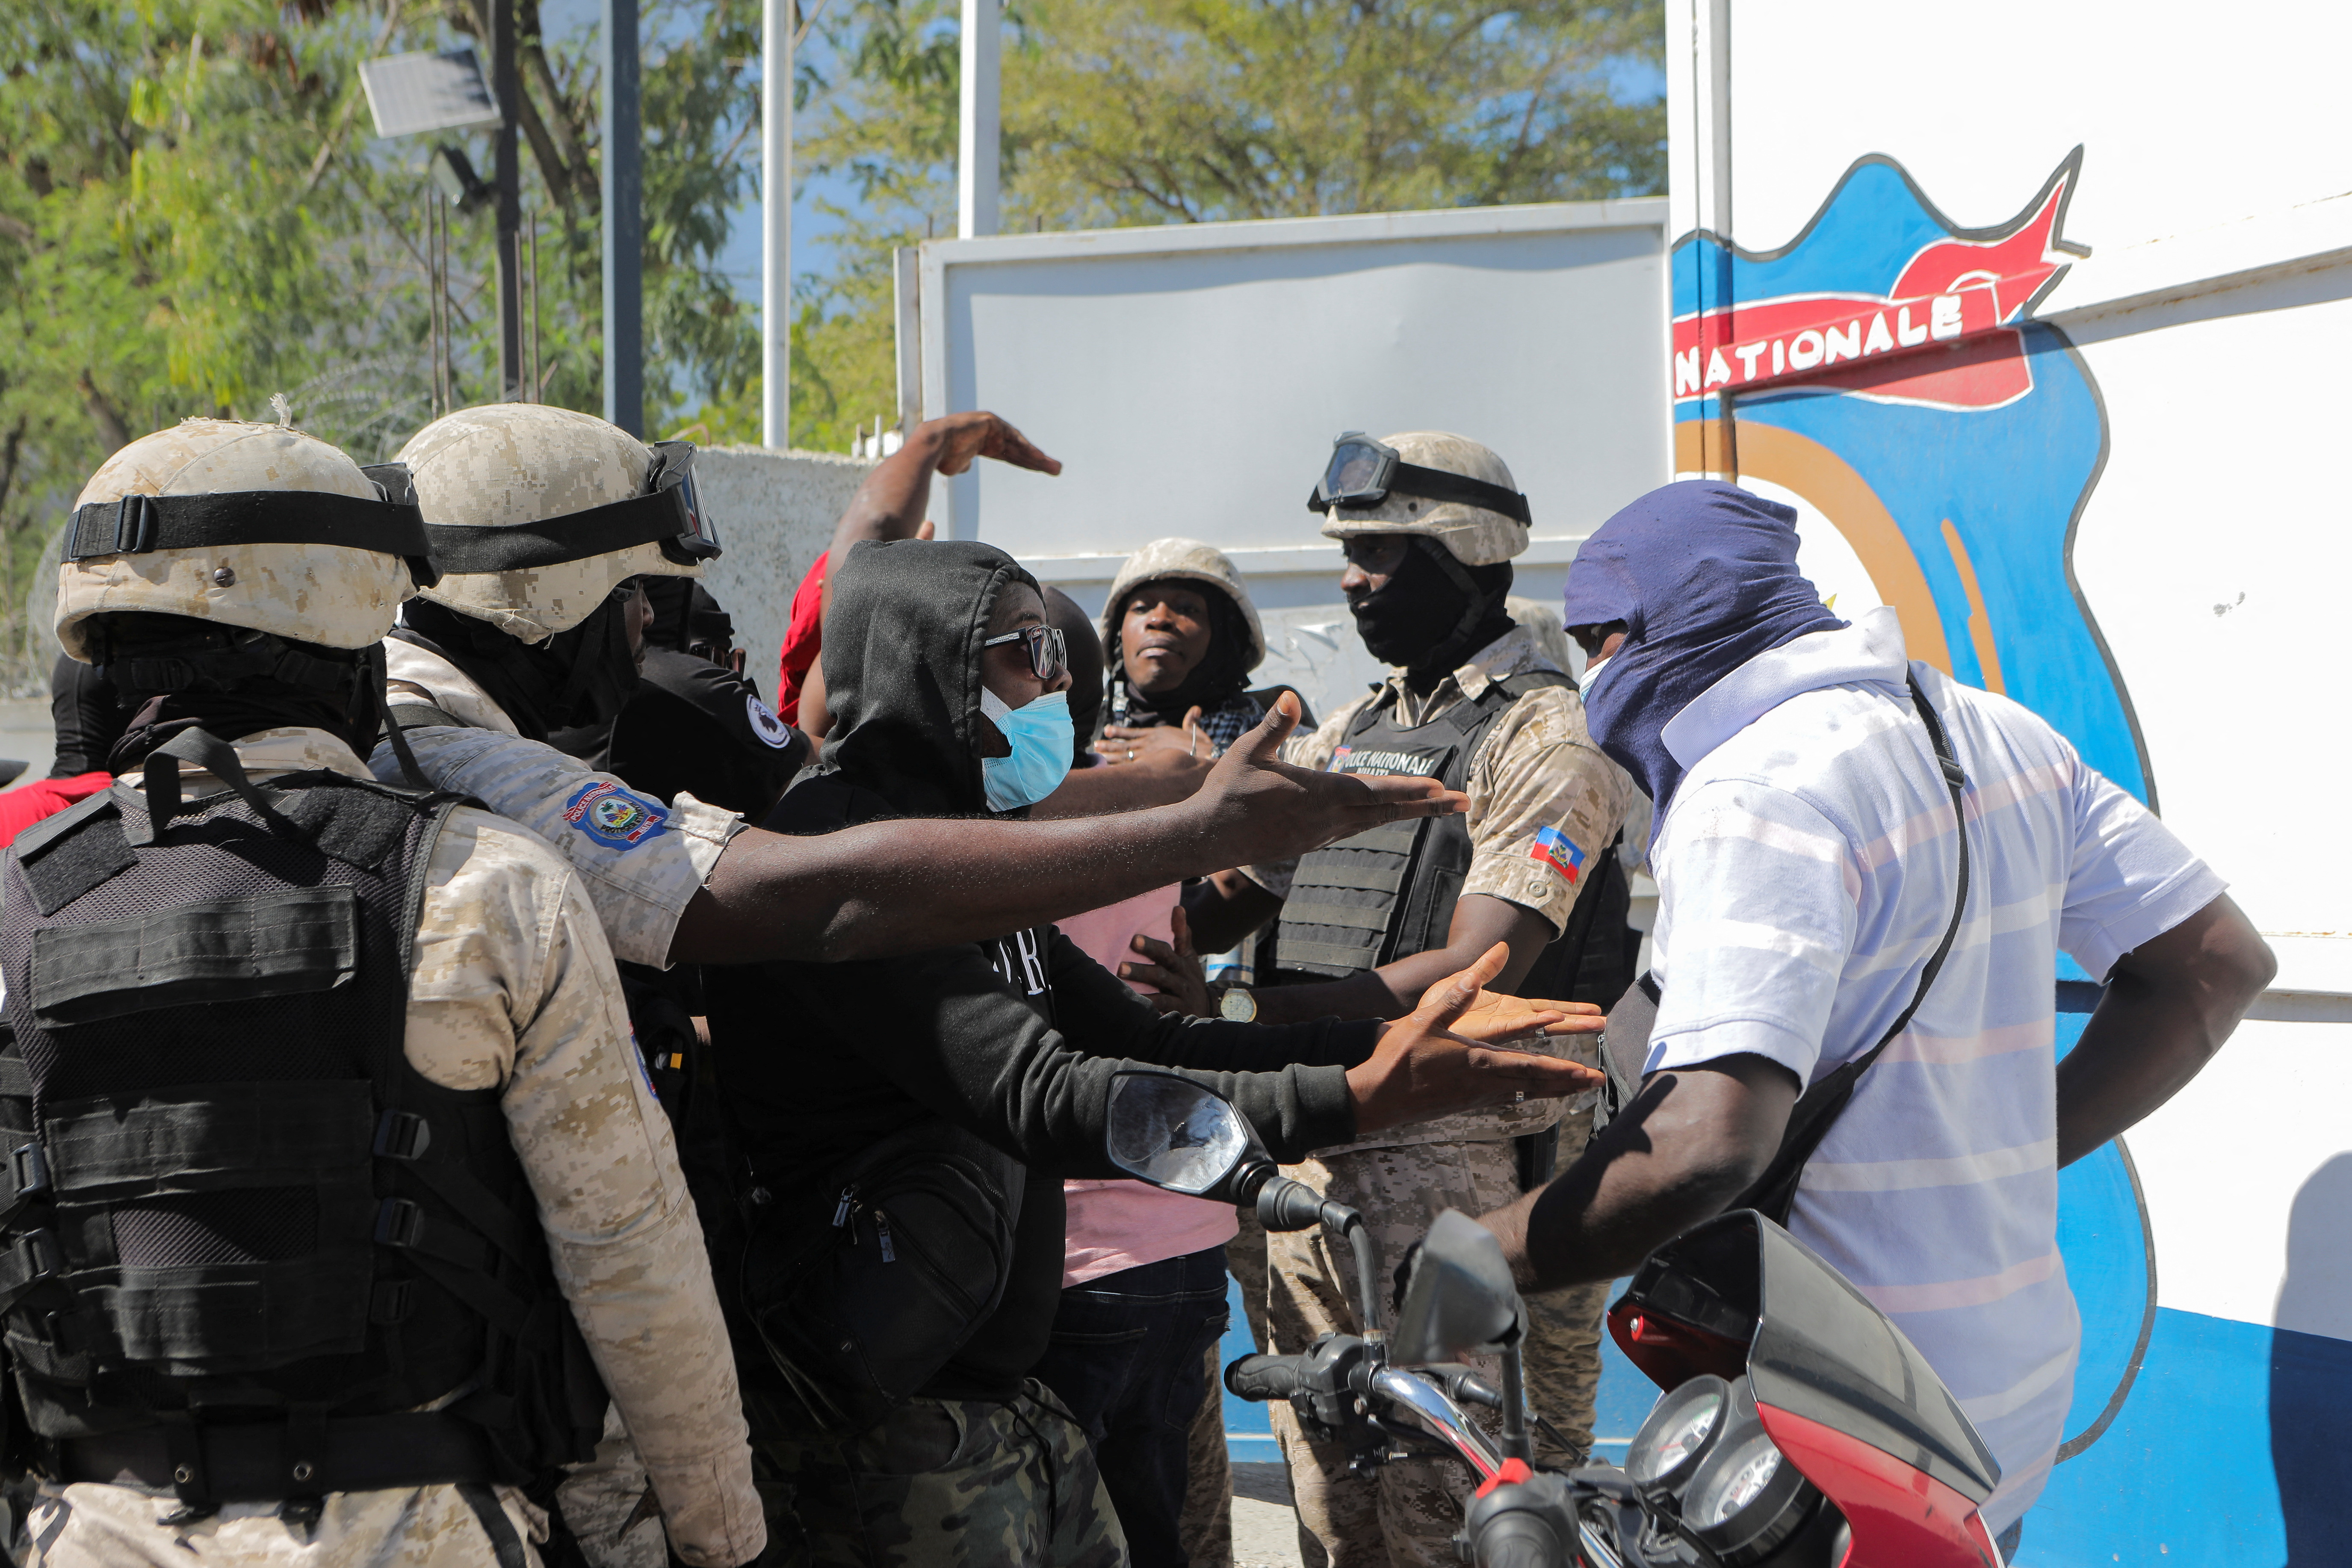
1704, 577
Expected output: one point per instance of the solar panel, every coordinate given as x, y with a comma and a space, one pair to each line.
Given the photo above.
409, 94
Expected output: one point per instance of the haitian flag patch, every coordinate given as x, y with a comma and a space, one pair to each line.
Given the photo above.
1559, 851
615, 817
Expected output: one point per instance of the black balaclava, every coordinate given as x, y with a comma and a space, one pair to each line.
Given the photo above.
1221, 676
88, 716
1434, 612
686, 615
578, 677
171, 673
902, 670
1086, 657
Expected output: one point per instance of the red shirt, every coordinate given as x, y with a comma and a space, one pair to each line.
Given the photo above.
803, 640
23, 806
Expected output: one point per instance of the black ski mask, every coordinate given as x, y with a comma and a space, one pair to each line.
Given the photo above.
578, 677
1434, 612
170, 673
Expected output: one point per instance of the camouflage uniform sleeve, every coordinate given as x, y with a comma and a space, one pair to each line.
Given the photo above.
640, 862
514, 986
1538, 781
1313, 749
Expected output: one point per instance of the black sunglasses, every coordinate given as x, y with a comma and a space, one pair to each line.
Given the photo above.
1048, 654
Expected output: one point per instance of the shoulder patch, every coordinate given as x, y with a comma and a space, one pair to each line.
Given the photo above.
615, 817
764, 722
1559, 851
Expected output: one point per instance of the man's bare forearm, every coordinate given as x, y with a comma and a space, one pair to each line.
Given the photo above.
1689, 1143
2169, 1007
1099, 792
904, 885
911, 883
890, 503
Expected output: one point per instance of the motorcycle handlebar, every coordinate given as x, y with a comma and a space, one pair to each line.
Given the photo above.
1263, 1377
1521, 1541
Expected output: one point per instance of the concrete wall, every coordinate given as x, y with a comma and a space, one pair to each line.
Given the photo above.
774, 512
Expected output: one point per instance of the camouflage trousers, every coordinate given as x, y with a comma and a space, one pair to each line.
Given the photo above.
1562, 1355
942, 1483
1407, 1513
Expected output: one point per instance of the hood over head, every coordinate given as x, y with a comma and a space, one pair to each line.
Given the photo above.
1704, 574
902, 669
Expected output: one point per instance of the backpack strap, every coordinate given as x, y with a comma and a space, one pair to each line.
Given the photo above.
1810, 1121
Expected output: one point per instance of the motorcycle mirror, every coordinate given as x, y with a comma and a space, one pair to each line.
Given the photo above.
1459, 1300
1176, 1133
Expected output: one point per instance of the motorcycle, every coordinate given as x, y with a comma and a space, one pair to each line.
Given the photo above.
1797, 1427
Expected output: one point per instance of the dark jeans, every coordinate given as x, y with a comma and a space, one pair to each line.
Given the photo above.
1126, 1358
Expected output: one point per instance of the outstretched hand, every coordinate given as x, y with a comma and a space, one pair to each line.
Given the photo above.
1261, 809
1421, 1068
1495, 1019
1179, 983
980, 434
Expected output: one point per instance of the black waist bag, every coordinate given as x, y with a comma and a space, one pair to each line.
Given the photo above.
1627, 1037
865, 1286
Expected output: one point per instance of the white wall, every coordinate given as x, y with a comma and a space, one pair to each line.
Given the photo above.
774, 512
2193, 117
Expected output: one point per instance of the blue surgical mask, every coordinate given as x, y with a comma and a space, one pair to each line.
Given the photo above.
1042, 741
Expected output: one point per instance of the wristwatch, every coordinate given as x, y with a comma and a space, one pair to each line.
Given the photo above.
1237, 1005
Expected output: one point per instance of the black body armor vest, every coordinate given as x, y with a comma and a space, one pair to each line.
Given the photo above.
244, 1238
1389, 892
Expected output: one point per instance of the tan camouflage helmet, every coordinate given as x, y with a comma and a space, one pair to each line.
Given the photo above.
1476, 535
333, 595
529, 466
1184, 559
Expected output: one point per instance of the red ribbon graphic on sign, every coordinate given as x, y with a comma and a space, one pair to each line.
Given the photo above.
1943, 336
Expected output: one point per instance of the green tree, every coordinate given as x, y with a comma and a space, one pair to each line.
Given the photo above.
195, 213
1119, 112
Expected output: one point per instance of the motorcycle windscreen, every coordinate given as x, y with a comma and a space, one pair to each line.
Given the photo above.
1815, 1347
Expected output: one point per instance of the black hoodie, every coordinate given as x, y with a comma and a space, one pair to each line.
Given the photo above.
1015, 1040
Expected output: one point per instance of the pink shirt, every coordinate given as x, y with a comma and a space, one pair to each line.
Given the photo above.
1125, 1225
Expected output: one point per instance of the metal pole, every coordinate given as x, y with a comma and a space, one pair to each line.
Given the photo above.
905, 276
432, 317
976, 135
777, 21
506, 87
625, 384
437, 282
531, 305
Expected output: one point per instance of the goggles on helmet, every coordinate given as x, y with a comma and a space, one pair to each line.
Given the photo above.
1364, 472
668, 514
138, 524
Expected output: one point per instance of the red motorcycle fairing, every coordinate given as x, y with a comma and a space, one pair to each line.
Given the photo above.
1850, 1402
1897, 1515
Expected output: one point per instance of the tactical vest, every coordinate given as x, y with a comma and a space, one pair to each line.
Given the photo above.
1389, 892
245, 1241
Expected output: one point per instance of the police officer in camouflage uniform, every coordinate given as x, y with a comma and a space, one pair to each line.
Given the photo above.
336, 1188
1430, 523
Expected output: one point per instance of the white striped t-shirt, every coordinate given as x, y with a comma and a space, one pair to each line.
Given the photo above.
1806, 872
